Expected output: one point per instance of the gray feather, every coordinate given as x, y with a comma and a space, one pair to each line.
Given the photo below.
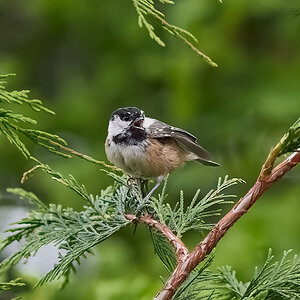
207, 162
185, 140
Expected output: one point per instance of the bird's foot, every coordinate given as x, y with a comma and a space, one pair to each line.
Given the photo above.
142, 205
132, 181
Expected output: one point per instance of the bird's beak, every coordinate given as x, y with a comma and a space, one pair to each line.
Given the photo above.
138, 122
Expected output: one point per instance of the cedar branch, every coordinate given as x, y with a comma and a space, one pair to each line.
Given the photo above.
180, 249
264, 181
84, 156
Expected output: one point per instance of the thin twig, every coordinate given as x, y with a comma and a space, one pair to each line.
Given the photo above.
269, 163
180, 249
29, 173
84, 156
264, 181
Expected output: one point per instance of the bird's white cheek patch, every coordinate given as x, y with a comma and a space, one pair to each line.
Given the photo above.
116, 127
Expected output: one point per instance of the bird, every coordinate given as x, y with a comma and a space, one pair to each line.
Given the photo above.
146, 148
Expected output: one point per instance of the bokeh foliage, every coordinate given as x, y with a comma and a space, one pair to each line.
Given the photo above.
87, 59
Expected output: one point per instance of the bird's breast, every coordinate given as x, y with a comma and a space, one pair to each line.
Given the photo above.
130, 158
149, 159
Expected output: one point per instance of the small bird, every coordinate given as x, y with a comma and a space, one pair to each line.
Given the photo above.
146, 148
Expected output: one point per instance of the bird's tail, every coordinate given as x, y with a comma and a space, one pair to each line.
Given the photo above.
207, 162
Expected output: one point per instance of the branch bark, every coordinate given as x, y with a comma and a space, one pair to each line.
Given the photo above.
180, 249
266, 178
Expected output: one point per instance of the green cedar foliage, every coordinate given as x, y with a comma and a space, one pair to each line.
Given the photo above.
12, 124
147, 13
181, 219
7, 285
75, 233
4, 286
275, 280
291, 140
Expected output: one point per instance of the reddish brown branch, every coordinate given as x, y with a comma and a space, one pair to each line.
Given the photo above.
179, 247
264, 181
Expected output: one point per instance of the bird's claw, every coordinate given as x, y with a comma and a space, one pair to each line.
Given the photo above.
131, 181
142, 205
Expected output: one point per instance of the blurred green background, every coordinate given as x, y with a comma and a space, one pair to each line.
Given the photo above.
86, 58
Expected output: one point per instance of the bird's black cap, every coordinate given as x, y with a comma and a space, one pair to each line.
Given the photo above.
127, 113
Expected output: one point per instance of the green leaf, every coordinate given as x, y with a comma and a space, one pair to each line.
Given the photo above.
164, 250
280, 279
181, 219
13, 124
146, 10
290, 142
4, 286
75, 232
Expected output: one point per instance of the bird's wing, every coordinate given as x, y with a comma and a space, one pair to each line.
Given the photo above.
185, 140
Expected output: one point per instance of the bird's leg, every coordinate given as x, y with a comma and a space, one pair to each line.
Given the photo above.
158, 183
147, 197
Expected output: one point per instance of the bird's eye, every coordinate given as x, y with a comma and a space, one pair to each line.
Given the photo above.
126, 118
